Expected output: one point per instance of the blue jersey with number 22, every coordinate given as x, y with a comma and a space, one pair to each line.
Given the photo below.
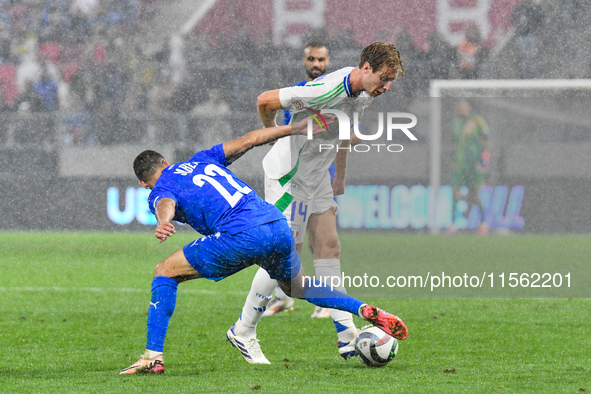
209, 197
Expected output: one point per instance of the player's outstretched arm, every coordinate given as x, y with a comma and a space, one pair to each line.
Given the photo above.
268, 103
236, 148
164, 213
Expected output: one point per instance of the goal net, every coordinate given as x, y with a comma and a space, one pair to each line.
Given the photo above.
514, 159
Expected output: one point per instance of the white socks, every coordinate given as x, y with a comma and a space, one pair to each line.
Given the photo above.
261, 291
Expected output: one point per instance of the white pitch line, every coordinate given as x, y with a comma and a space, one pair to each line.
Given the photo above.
112, 290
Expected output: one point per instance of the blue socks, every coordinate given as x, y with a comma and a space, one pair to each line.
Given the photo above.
322, 295
163, 302
161, 308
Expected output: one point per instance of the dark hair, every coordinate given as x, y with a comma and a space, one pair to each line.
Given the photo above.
315, 44
380, 55
147, 163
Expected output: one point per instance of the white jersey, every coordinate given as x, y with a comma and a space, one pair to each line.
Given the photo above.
298, 160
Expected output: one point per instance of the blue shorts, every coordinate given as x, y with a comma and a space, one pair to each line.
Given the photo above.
270, 246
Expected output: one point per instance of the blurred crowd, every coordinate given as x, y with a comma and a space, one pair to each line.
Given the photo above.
86, 59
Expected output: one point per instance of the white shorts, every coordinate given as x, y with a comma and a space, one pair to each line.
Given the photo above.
297, 205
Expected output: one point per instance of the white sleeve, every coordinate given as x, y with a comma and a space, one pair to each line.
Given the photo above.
295, 98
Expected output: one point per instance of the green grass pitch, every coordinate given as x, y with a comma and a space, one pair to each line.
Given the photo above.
73, 309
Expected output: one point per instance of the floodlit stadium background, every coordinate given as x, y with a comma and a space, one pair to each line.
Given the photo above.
128, 79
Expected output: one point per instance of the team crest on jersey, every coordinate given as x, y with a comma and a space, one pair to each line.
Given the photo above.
298, 105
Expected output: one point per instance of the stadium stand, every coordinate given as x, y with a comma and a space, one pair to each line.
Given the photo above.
97, 54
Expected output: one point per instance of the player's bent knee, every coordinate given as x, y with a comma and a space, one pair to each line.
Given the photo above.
163, 269
177, 267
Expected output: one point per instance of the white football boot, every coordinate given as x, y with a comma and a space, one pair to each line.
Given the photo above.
249, 347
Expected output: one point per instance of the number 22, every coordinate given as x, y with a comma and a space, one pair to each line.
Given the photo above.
213, 170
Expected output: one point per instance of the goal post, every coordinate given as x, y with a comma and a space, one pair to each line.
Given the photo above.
440, 89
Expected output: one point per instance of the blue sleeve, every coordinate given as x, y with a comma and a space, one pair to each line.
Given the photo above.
286, 117
215, 154
156, 195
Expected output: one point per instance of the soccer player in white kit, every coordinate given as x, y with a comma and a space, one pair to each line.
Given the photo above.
298, 183
315, 61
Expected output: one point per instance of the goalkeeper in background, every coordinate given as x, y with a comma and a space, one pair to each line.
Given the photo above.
470, 164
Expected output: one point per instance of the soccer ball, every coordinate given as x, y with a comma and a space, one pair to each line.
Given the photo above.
374, 347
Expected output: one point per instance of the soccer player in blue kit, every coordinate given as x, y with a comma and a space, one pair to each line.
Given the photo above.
240, 229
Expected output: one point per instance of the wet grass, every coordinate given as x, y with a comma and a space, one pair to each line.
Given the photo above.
73, 310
